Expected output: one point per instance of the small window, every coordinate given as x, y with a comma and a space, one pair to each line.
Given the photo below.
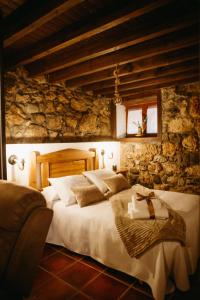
142, 119
152, 119
134, 118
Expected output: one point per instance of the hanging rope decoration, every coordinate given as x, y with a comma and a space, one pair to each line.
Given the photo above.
117, 98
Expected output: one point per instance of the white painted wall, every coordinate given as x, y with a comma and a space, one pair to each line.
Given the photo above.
24, 150
120, 121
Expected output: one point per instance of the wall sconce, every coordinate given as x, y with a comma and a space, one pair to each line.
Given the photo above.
13, 159
103, 161
114, 166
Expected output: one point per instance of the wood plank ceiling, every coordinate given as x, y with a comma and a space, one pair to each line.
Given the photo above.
153, 42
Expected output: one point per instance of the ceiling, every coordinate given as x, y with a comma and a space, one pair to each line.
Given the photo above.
154, 43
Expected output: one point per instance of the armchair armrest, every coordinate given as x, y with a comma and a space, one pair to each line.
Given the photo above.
27, 252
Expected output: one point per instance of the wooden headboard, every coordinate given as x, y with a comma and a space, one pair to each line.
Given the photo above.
60, 163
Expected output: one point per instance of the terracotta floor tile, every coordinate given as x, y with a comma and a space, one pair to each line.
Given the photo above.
42, 277
56, 262
93, 263
47, 251
104, 288
78, 274
72, 254
55, 290
56, 247
127, 279
77, 270
80, 296
142, 286
133, 294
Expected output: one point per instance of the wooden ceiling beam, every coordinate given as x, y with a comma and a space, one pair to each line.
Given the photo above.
137, 32
170, 42
32, 15
149, 99
84, 29
153, 73
148, 82
160, 60
130, 94
141, 95
185, 78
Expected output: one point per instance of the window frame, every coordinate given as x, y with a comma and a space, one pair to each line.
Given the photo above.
144, 103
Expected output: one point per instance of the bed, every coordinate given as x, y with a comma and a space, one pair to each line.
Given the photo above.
162, 267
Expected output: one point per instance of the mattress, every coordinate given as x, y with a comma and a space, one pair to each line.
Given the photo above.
91, 231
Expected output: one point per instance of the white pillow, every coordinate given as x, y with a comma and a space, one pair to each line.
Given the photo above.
64, 184
97, 176
50, 194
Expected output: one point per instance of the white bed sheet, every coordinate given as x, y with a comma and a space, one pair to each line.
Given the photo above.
91, 231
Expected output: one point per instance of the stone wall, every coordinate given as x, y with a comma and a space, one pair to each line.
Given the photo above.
37, 111
174, 163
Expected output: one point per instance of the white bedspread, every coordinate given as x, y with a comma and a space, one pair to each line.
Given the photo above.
91, 231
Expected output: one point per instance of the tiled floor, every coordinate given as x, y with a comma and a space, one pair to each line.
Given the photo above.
64, 275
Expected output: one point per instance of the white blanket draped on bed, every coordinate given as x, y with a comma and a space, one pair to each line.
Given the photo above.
78, 228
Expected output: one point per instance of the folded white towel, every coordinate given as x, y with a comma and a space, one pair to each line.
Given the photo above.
139, 209
161, 213
138, 205
136, 213
143, 204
